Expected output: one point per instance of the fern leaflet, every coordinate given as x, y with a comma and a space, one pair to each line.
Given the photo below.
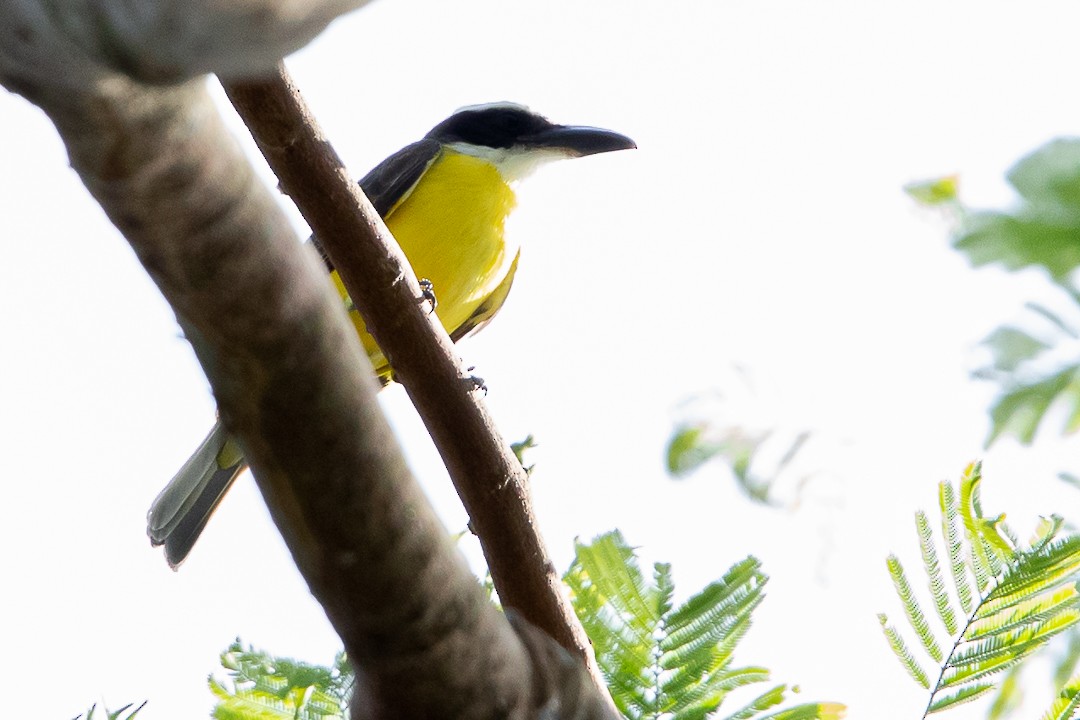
269, 688
1024, 595
1067, 703
673, 662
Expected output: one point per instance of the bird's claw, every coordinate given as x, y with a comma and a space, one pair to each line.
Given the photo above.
427, 294
475, 382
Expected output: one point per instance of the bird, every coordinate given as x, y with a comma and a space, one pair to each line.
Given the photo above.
445, 198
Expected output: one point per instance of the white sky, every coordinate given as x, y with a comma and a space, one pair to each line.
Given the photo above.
761, 224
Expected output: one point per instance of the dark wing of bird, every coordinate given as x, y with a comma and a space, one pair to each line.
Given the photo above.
392, 179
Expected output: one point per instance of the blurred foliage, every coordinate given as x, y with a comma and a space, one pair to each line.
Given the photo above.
1067, 703
659, 661
938, 191
764, 459
1003, 600
265, 687
1036, 363
692, 446
998, 601
1044, 230
1010, 695
520, 448
1037, 366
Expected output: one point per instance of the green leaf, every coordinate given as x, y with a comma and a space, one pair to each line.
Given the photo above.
1010, 695
1050, 176
1024, 240
1045, 531
996, 536
763, 702
266, 687
1019, 411
950, 514
520, 448
689, 448
900, 649
961, 696
1067, 704
1011, 347
915, 615
1057, 561
939, 191
942, 604
810, 711
1027, 609
1059, 325
1045, 230
979, 558
1069, 661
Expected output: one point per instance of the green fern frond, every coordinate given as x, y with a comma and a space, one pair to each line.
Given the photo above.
732, 596
999, 540
266, 687
1067, 704
608, 564
1011, 538
665, 587
949, 526
942, 604
980, 555
971, 494
706, 695
900, 649
1045, 531
666, 661
992, 655
1025, 596
247, 705
1054, 562
766, 700
915, 615
716, 612
964, 695
1026, 610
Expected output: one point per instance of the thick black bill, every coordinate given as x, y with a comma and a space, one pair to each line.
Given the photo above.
579, 140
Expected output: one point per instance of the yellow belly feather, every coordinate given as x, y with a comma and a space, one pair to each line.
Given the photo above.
450, 227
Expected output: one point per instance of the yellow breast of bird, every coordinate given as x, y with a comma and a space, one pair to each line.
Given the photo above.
451, 228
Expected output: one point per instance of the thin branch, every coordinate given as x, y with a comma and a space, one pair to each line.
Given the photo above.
489, 479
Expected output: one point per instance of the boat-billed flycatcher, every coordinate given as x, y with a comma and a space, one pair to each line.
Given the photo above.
445, 199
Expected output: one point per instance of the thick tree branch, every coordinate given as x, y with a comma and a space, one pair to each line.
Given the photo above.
290, 378
157, 42
489, 479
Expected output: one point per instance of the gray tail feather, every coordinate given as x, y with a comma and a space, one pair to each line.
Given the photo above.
179, 513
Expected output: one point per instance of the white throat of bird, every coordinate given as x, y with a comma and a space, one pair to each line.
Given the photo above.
514, 163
